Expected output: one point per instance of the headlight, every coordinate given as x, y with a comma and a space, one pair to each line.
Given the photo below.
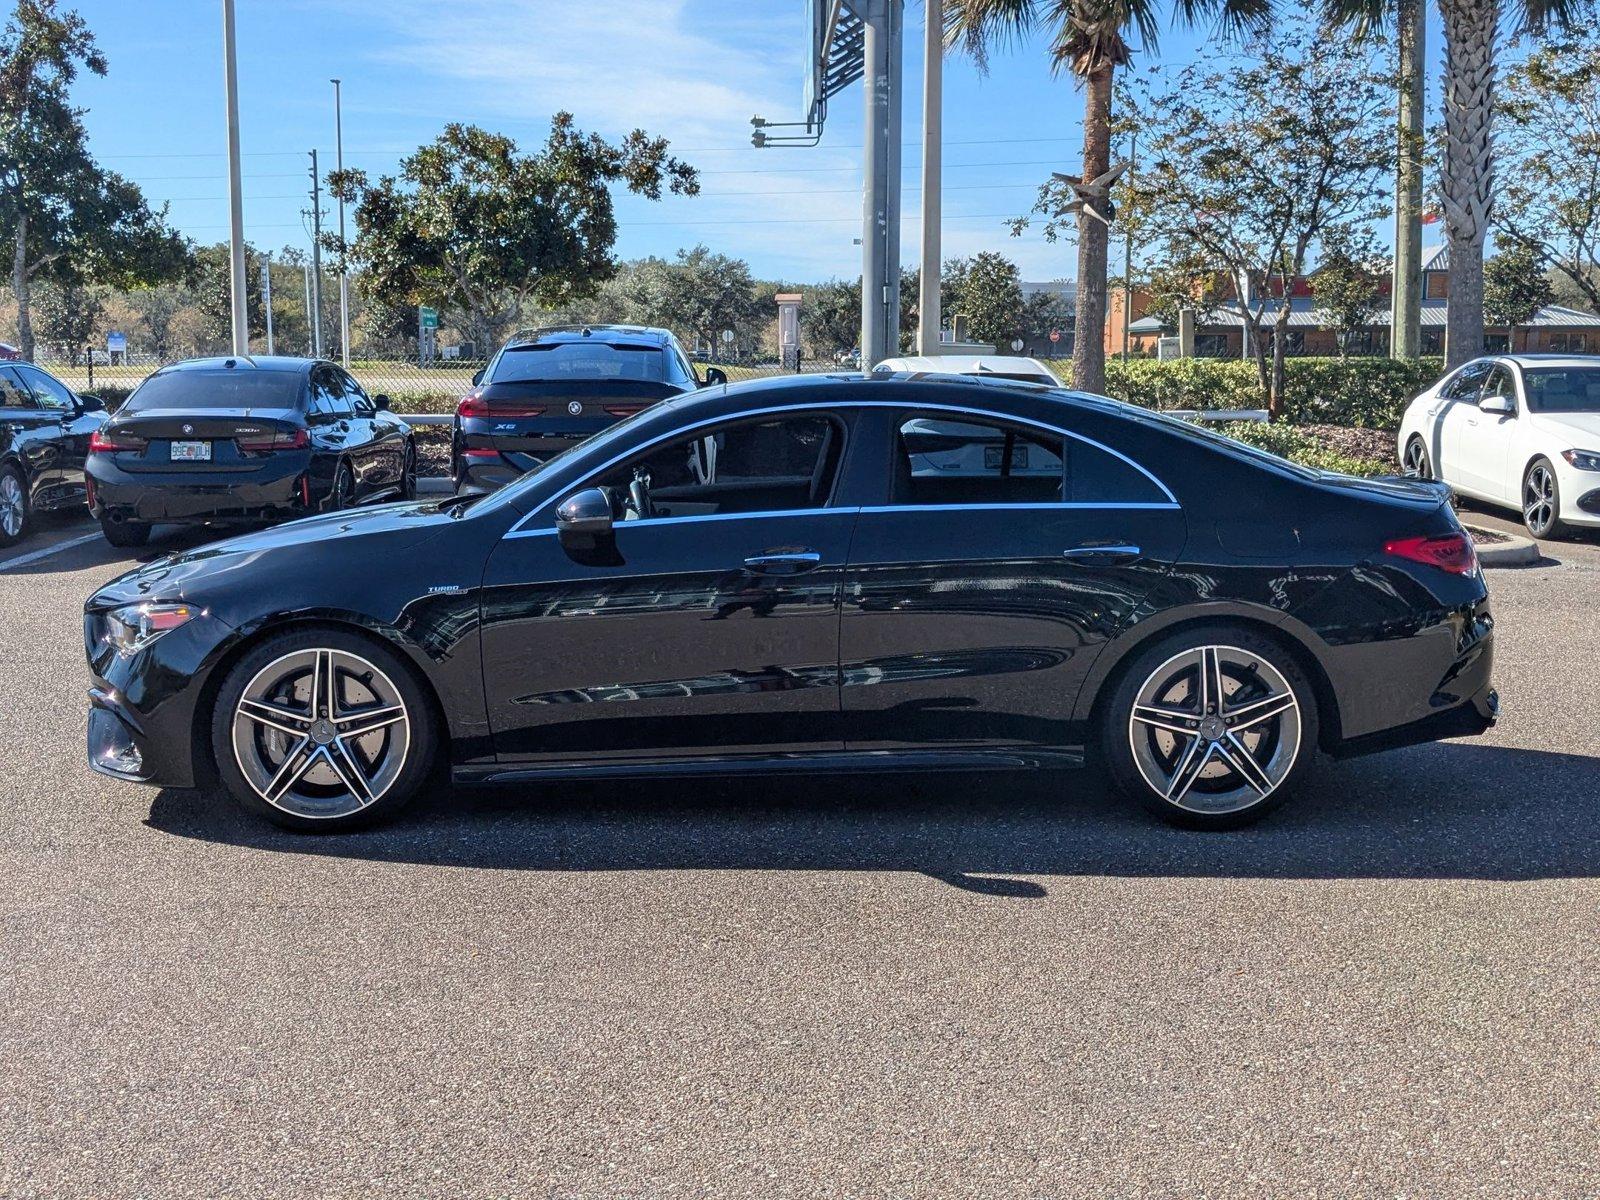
134, 626
1584, 460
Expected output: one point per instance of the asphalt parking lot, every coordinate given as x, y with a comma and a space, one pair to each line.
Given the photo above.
855, 987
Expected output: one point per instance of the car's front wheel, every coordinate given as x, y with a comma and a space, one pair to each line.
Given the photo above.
1541, 500
1210, 728
322, 730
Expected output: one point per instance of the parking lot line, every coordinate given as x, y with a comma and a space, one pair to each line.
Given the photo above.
23, 560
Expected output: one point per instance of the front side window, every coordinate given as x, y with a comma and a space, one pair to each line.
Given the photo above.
1500, 383
938, 461
49, 391
775, 465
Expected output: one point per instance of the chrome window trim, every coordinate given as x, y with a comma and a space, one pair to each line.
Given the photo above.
520, 530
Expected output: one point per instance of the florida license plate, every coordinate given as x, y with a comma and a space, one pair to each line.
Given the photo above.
191, 451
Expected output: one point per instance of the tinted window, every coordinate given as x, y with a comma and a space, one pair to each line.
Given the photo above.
1500, 383
217, 389
750, 466
1562, 389
328, 395
358, 395
555, 361
12, 393
49, 391
678, 372
939, 461
1465, 385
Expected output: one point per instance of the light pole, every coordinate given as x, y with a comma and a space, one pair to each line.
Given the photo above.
344, 279
928, 315
230, 75
266, 297
316, 258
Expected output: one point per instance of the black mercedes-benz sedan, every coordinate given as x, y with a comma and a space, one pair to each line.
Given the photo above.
548, 389
815, 574
245, 441
45, 429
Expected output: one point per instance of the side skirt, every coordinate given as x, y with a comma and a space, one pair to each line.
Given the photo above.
825, 763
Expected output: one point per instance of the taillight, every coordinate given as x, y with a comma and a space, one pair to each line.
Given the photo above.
1452, 552
288, 439
476, 407
472, 405
623, 410
100, 442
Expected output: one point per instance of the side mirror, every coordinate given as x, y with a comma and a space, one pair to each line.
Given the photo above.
715, 376
91, 403
1503, 405
381, 402
584, 517
477, 377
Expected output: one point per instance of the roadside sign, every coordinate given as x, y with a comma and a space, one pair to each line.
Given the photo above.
427, 318
1055, 335
727, 337
116, 343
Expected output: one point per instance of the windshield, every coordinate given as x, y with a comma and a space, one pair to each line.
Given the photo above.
238, 388
562, 361
1562, 389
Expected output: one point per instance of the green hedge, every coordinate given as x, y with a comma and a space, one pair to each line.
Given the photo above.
1288, 442
1367, 392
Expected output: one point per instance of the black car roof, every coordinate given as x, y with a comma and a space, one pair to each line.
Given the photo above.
243, 362
607, 334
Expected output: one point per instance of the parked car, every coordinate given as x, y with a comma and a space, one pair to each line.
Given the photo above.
45, 428
548, 389
991, 366
1516, 430
761, 578
221, 441
10, 353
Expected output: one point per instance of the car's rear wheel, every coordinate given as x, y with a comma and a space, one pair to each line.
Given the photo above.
408, 475
344, 487
1541, 500
1416, 462
15, 515
322, 730
125, 535
1210, 728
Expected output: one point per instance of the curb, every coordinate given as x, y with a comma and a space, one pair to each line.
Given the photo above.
1514, 552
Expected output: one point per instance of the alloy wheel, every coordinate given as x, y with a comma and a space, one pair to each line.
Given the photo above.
1215, 729
321, 733
13, 505
1415, 463
1539, 499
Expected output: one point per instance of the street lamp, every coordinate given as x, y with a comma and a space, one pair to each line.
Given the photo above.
344, 278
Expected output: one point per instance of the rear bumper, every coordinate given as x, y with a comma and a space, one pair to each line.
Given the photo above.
278, 490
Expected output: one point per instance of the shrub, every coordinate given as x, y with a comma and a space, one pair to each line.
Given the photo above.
1299, 447
1367, 392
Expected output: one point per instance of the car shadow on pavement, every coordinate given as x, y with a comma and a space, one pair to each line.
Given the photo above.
1442, 811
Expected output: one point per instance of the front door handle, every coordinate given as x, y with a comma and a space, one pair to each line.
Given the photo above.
1108, 552
783, 562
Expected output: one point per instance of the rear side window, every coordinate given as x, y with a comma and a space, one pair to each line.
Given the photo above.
236, 388
945, 462
554, 362
12, 393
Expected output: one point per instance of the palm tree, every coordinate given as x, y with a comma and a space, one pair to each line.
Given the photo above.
1091, 39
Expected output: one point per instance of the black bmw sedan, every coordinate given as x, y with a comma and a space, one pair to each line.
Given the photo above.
819, 574
548, 389
45, 429
245, 441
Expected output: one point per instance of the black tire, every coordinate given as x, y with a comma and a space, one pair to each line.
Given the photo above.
344, 488
1417, 463
308, 805
1165, 677
16, 513
408, 474
125, 535
1541, 500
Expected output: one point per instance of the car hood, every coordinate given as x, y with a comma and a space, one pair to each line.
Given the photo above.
195, 574
1579, 431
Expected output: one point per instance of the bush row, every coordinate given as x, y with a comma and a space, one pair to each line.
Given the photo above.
1369, 393
1297, 446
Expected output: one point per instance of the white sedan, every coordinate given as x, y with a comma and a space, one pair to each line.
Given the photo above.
1521, 430
991, 366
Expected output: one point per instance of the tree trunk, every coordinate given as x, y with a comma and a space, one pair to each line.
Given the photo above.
1280, 345
1089, 348
1467, 178
19, 285
1405, 324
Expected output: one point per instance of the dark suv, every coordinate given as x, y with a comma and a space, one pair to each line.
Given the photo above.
548, 389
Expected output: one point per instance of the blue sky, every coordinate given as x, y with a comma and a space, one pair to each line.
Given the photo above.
691, 70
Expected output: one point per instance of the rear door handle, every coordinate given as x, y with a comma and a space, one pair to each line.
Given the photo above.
1106, 553
783, 562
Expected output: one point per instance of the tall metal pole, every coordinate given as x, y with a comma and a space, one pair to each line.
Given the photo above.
316, 259
311, 346
1127, 257
344, 278
1405, 316
880, 275
266, 298
929, 318
230, 74
891, 300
